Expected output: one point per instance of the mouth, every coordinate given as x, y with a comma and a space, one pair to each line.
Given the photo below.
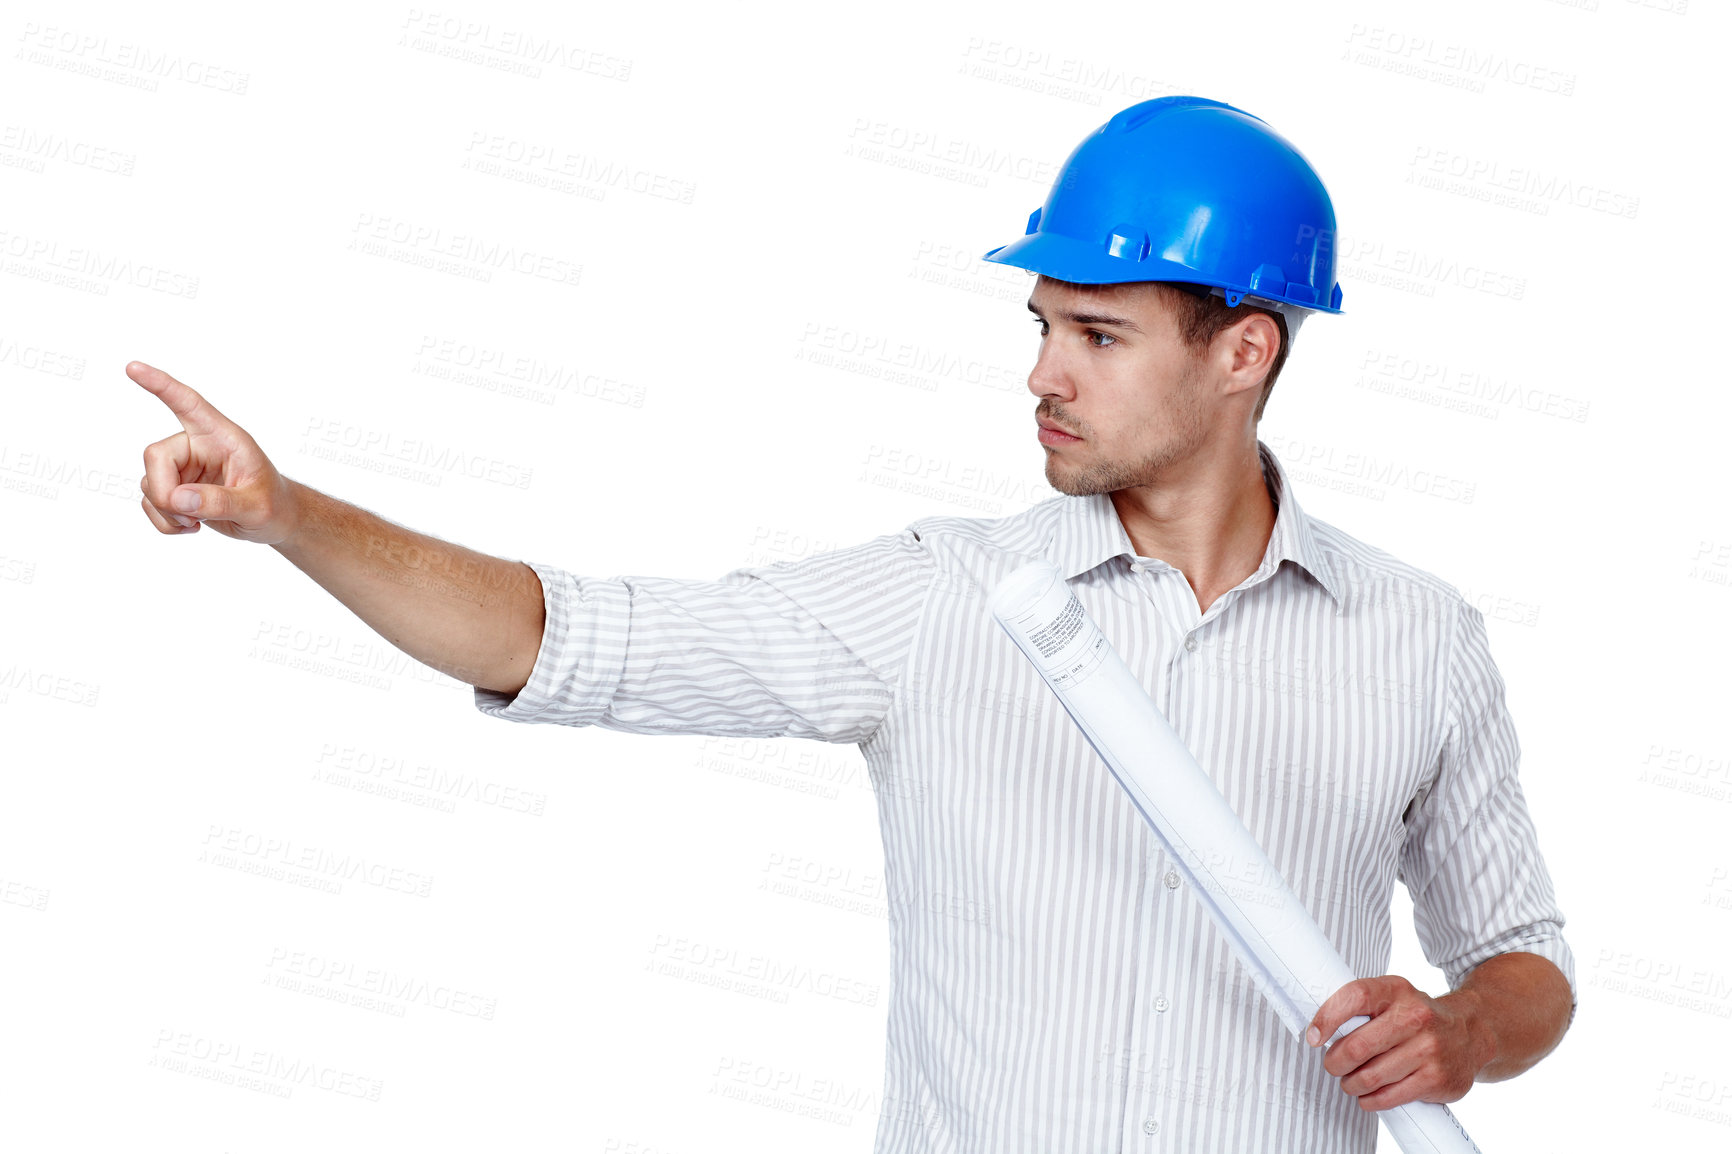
1052, 434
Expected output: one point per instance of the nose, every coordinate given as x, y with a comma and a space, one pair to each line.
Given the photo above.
1050, 376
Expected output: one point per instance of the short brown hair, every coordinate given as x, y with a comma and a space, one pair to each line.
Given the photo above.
1202, 316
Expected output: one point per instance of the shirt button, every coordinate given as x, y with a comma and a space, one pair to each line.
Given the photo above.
1161, 1005
1151, 1127
1190, 645
1172, 879
1136, 566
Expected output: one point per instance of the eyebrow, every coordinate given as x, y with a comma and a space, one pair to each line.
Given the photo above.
1077, 318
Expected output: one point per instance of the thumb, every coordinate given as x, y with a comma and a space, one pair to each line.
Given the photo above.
211, 503
1341, 1006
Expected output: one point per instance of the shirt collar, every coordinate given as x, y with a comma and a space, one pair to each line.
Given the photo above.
1089, 533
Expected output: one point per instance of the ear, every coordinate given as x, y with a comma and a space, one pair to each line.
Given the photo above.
1249, 348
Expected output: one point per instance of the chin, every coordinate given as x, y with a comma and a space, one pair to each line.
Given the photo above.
1074, 484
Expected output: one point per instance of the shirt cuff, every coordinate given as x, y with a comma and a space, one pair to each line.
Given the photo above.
582, 654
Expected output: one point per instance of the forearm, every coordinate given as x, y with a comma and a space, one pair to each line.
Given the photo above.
1519, 1003
469, 615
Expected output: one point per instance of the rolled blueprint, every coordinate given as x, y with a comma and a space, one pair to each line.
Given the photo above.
1293, 963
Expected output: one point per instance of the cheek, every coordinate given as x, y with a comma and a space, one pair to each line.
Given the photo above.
1142, 407
1132, 397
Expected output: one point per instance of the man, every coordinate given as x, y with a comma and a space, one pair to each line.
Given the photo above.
1053, 987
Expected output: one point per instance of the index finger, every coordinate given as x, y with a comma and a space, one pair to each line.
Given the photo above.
196, 414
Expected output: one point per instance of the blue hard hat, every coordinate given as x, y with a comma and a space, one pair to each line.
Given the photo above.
1193, 191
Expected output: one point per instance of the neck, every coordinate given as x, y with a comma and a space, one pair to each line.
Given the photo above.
1208, 516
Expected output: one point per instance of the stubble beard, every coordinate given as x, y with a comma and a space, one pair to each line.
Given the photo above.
1186, 428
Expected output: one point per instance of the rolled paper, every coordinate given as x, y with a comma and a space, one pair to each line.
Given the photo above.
1291, 960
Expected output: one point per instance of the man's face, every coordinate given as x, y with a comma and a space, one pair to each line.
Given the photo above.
1113, 372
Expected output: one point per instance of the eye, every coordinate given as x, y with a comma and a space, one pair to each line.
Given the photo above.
1104, 341
1041, 321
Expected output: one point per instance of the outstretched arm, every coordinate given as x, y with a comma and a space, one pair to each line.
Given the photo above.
474, 617
1509, 1012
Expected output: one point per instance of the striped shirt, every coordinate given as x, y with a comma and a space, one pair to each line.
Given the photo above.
1054, 986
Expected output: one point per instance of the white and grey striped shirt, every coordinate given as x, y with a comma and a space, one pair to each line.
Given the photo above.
1345, 702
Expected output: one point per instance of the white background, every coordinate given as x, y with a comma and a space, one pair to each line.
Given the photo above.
763, 210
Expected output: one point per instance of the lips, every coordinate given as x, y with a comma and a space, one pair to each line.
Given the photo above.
1056, 428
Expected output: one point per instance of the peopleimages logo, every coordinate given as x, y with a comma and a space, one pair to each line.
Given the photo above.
133, 65
89, 269
1485, 178
464, 254
1454, 65
937, 154
234, 1063
347, 443
1364, 474
1409, 268
1462, 389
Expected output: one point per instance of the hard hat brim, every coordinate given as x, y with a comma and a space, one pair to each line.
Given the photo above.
1088, 262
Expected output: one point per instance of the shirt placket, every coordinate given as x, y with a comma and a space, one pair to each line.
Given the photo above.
1146, 1124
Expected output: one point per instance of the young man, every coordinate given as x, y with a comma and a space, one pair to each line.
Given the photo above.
1053, 986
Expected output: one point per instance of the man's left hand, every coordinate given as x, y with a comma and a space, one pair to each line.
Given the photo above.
1414, 1048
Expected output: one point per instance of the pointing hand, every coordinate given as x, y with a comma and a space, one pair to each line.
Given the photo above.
211, 472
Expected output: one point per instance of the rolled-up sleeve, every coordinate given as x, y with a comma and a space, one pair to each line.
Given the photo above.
582, 652
1472, 859
811, 648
